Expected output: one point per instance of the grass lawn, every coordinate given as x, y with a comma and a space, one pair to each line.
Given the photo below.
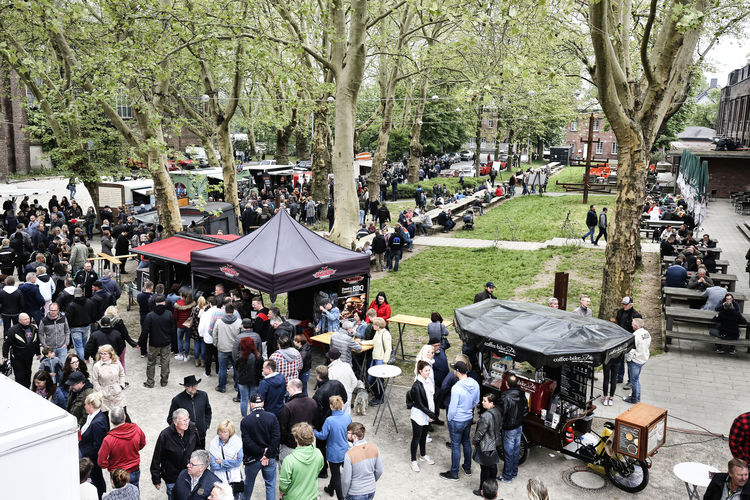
567, 174
534, 218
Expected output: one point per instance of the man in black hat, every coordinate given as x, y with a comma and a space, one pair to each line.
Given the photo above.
486, 293
79, 388
624, 318
197, 404
261, 437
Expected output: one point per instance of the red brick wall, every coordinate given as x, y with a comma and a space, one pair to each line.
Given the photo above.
728, 175
579, 136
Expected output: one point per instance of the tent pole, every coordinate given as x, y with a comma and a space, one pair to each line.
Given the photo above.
192, 281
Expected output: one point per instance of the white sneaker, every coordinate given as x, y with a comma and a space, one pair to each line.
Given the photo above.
415, 466
427, 459
178, 357
429, 439
186, 359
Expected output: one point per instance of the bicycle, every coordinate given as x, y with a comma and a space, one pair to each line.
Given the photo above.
569, 229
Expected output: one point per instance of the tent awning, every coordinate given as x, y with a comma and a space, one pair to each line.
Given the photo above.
178, 248
280, 256
540, 335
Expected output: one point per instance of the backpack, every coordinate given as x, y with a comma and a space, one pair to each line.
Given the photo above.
409, 400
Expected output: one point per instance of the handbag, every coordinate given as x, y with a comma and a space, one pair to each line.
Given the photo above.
188, 322
237, 486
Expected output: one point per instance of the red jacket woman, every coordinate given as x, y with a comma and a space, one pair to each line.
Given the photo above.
380, 304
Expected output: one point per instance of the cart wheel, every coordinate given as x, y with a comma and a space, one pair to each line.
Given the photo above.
523, 452
626, 473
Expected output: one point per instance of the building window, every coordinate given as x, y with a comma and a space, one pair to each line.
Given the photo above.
490, 123
124, 109
614, 148
472, 141
596, 125
573, 126
483, 141
599, 147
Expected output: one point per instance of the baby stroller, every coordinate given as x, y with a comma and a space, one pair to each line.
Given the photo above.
468, 219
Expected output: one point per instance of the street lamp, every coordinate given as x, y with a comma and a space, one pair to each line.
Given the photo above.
330, 98
435, 98
205, 98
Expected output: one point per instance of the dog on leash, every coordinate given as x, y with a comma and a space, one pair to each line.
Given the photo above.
360, 399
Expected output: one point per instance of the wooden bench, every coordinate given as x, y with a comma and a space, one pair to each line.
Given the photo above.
698, 319
671, 294
668, 260
744, 229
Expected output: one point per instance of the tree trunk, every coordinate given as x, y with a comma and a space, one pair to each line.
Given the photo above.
415, 146
345, 200
167, 207
478, 132
623, 241
229, 173
320, 154
300, 139
282, 140
381, 151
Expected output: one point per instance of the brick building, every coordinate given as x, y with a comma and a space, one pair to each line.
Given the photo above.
15, 152
605, 142
733, 120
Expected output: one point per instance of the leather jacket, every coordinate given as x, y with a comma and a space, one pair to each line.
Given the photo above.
419, 399
514, 408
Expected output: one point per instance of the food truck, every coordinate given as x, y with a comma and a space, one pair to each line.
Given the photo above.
553, 354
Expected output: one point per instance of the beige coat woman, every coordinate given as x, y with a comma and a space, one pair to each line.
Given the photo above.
108, 377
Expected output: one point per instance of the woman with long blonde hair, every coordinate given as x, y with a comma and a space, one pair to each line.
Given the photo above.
108, 377
116, 322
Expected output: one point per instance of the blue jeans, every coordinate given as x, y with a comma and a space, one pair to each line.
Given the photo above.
199, 349
368, 496
80, 335
170, 488
304, 378
621, 369
135, 477
269, 476
377, 393
225, 359
388, 258
634, 374
245, 392
460, 434
61, 353
183, 341
511, 449
361, 216
590, 233
396, 257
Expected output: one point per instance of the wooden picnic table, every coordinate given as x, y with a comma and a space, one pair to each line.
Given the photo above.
728, 280
698, 318
404, 319
714, 250
721, 265
325, 338
671, 293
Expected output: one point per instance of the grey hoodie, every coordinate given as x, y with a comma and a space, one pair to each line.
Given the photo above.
226, 330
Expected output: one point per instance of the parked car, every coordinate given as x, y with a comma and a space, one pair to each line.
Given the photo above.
306, 164
467, 155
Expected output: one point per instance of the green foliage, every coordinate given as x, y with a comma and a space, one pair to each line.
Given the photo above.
419, 289
567, 174
444, 129
535, 218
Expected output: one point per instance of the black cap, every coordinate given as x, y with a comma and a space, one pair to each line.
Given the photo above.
434, 339
333, 353
489, 285
160, 299
247, 323
75, 378
97, 284
190, 381
461, 367
105, 321
256, 398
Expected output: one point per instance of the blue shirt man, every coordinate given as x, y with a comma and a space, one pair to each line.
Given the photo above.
464, 397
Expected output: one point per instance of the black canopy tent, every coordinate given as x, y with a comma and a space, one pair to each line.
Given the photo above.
540, 335
284, 256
